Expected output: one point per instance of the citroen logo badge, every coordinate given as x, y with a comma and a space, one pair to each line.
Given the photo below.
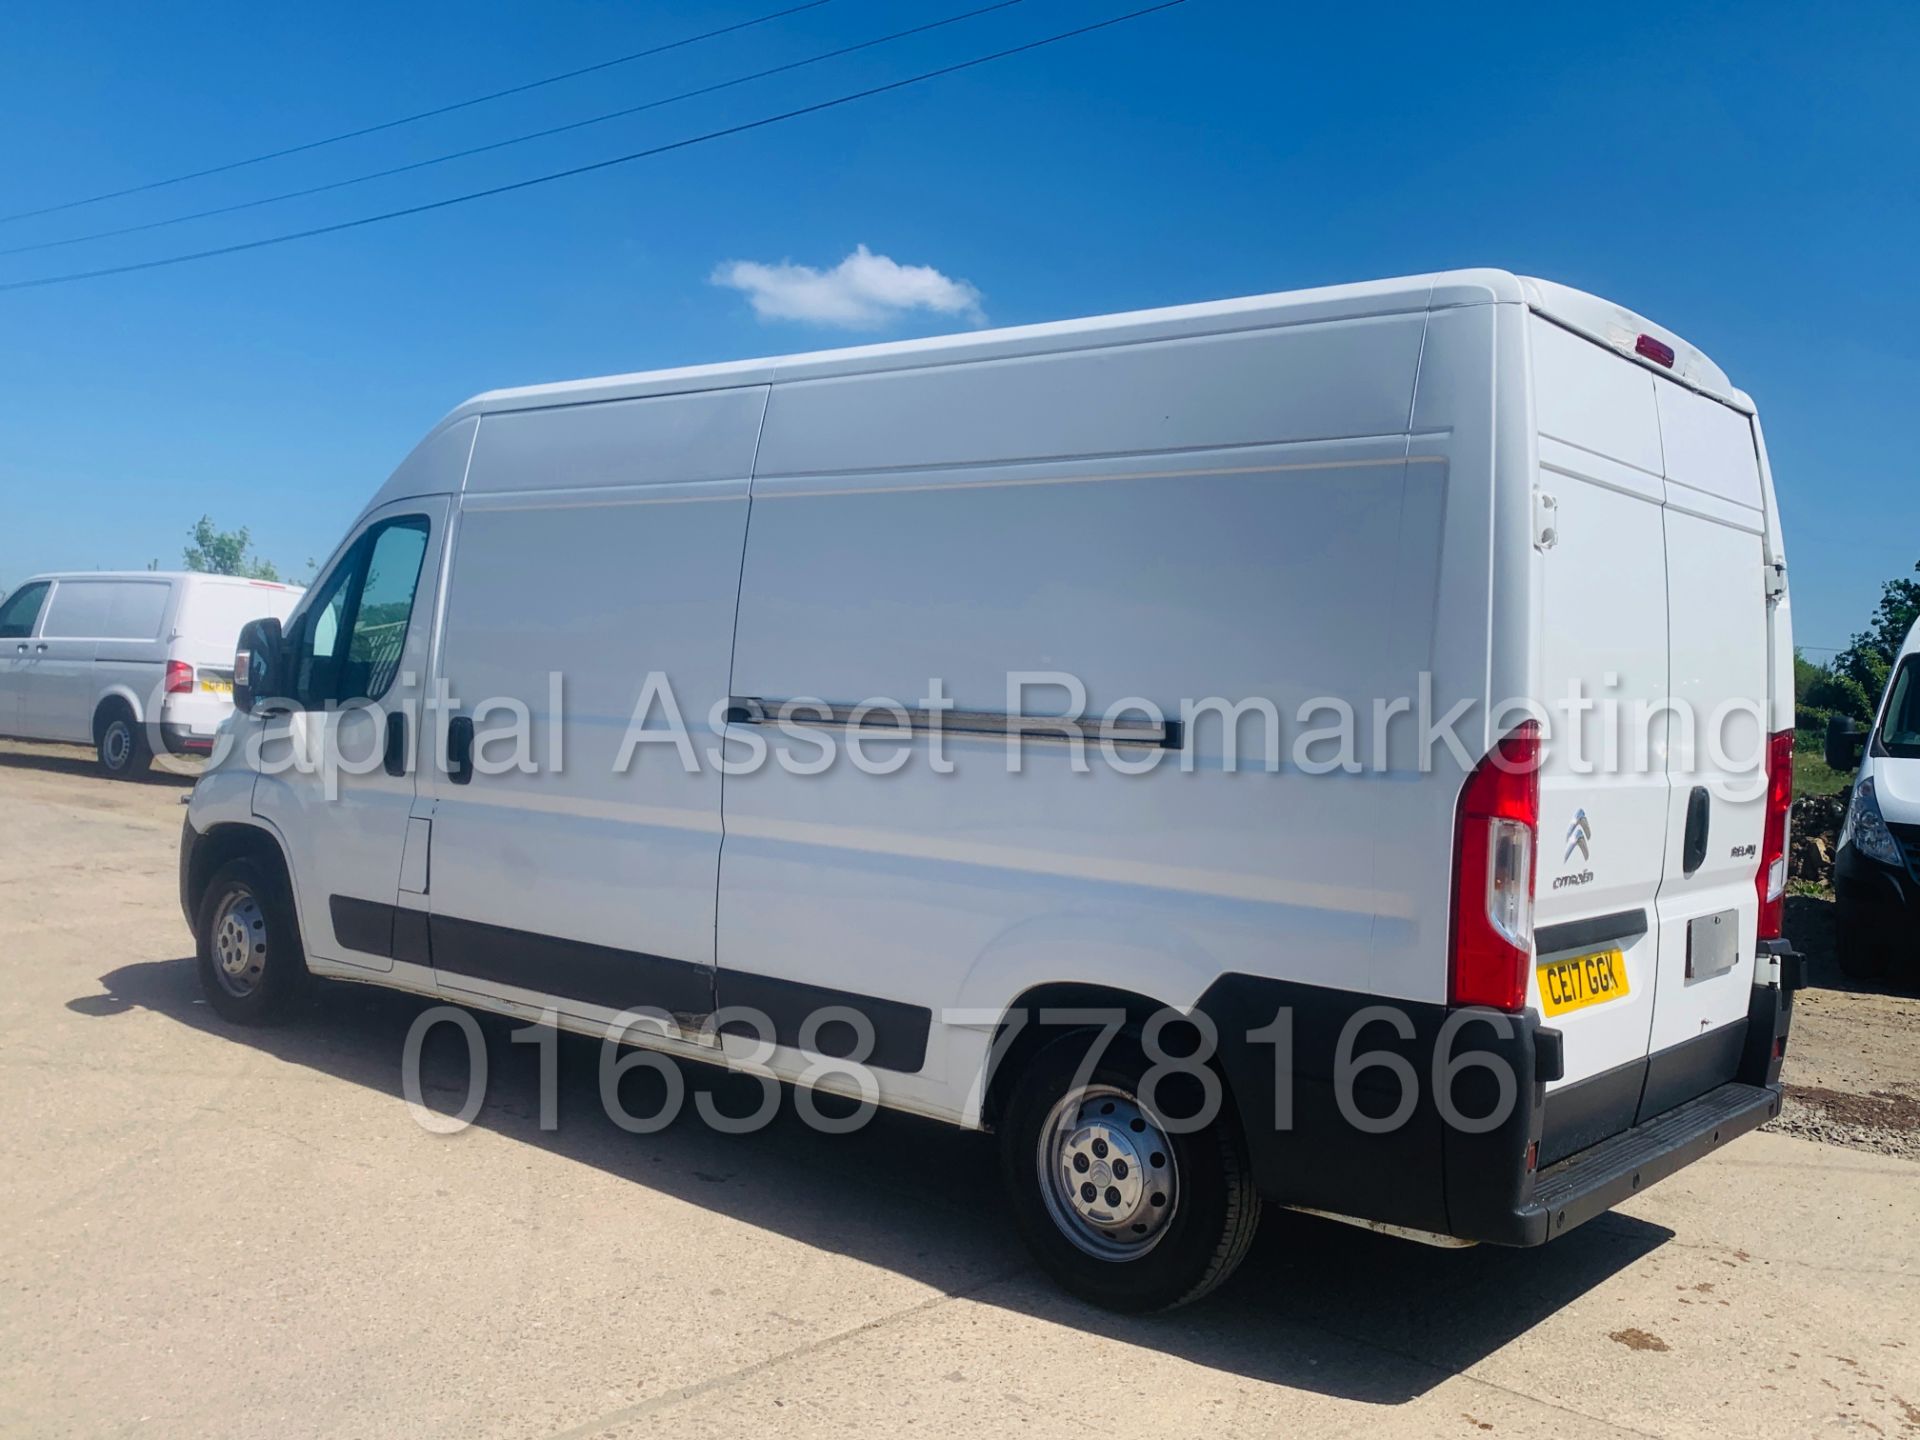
1578, 834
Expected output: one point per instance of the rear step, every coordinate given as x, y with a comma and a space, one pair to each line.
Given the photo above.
1600, 1177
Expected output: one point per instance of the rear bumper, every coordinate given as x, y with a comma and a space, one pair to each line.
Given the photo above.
1460, 1158
189, 723
184, 740
1595, 1180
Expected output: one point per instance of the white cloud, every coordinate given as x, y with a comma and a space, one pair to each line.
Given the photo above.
863, 292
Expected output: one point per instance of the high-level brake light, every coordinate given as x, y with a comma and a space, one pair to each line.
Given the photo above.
1657, 351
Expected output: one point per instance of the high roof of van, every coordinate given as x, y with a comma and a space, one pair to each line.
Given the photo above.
158, 575
1599, 319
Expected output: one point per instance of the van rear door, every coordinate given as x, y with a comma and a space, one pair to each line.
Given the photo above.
1708, 907
1600, 548
206, 627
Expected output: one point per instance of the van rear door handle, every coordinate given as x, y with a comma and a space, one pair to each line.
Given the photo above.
1699, 817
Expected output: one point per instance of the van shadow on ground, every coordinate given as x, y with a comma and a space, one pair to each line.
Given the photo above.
1318, 1306
78, 761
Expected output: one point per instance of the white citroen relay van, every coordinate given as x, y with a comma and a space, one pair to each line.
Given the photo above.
1034, 730
129, 662
1876, 871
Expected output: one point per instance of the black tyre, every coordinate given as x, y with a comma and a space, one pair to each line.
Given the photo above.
251, 963
1862, 954
121, 744
1119, 1210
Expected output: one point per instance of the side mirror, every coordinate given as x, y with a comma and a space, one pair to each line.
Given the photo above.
1846, 741
256, 663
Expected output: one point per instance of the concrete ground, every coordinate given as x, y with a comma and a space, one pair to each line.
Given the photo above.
215, 1231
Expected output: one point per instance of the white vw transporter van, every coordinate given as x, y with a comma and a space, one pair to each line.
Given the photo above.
1043, 730
131, 662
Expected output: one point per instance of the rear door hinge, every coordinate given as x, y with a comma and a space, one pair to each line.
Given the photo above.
1776, 581
1546, 521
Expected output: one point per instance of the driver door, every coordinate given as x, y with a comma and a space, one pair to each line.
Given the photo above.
337, 767
17, 616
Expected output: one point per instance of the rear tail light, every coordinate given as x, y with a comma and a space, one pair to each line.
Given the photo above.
179, 678
1494, 832
1771, 879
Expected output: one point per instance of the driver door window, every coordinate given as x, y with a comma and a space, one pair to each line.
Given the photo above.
349, 643
20, 610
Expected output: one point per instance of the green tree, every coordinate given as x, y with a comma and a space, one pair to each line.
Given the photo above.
225, 552
1853, 682
1806, 675
1821, 691
1869, 660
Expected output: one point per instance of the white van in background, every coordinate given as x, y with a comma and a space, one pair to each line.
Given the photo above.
127, 661
1876, 869
1472, 995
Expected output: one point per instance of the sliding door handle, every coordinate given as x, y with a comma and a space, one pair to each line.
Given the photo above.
396, 757
460, 749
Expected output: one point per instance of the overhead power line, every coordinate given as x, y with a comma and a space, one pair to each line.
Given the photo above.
511, 140
414, 118
596, 165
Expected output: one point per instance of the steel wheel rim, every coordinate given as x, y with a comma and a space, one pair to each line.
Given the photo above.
239, 943
1107, 1173
118, 743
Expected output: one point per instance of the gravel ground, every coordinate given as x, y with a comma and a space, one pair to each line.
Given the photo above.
1853, 1061
218, 1231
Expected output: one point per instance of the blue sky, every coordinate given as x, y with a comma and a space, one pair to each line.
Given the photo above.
1743, 173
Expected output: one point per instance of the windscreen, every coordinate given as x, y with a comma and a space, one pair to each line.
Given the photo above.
1900, 729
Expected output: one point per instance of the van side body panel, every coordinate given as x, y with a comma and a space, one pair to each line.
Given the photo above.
1247, 486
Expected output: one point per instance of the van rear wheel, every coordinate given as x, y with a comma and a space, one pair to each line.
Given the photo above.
120, 742
1121, 1208
250, 959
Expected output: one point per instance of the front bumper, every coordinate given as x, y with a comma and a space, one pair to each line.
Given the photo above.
1336, 1131
1879, 901
189, 842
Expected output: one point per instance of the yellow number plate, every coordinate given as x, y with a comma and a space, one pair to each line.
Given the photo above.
217, 687
1582, 980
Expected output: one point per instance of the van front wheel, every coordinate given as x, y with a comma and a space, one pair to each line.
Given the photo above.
1120, 1208
1863, 954
249, 955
